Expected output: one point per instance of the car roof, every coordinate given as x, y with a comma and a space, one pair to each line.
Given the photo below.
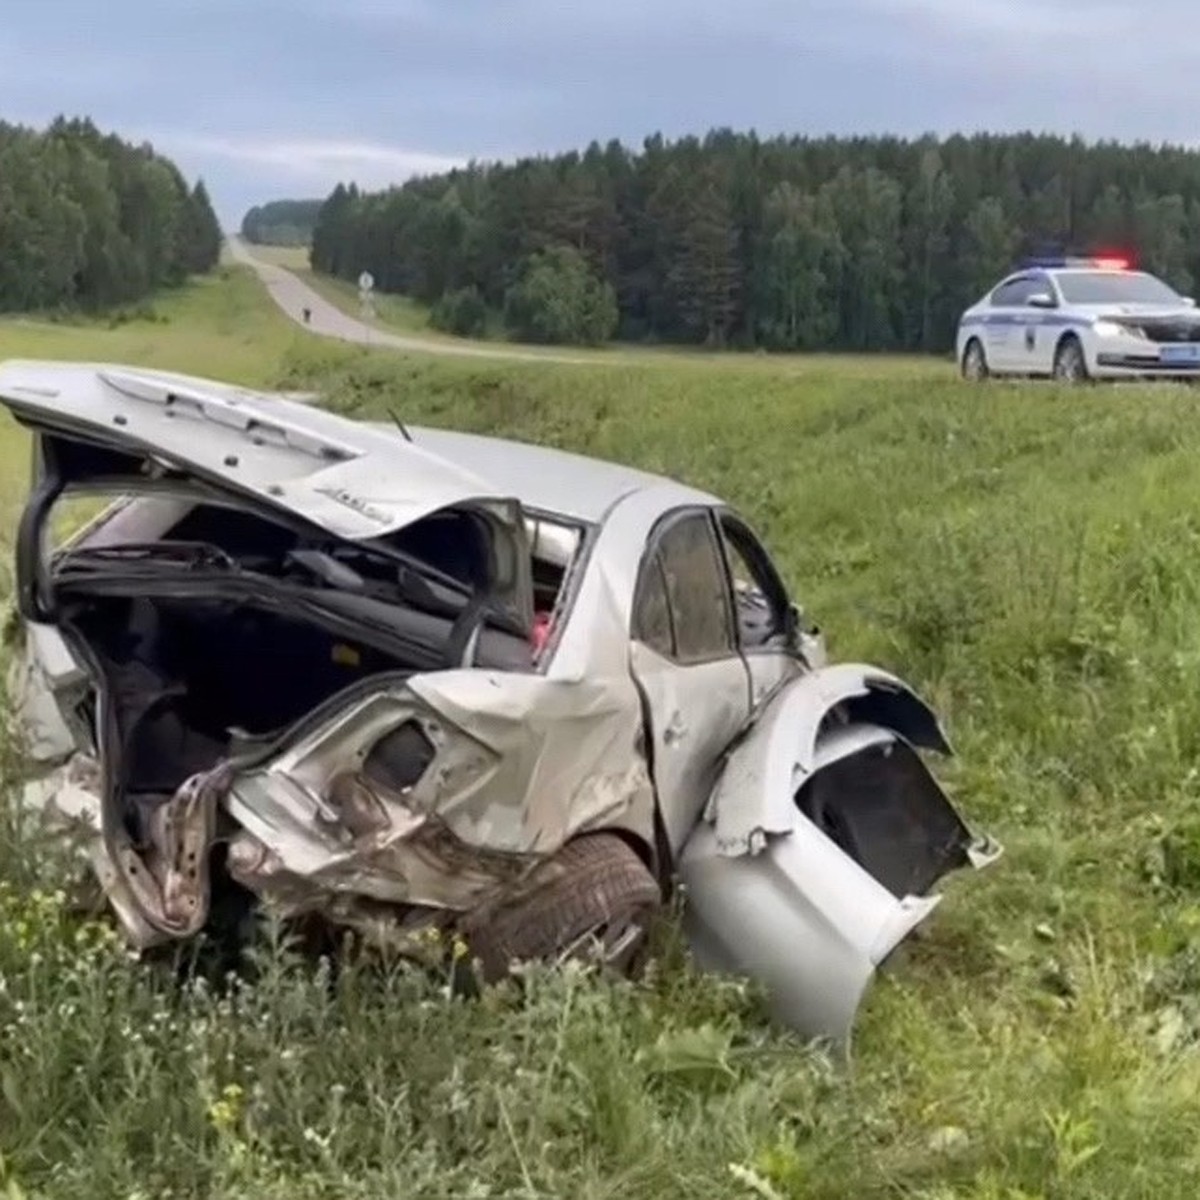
547, 479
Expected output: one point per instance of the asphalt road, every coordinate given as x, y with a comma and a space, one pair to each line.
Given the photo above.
293, 296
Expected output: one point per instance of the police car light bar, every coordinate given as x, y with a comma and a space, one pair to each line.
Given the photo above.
1103, 263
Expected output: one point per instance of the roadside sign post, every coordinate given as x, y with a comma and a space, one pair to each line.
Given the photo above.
366, 299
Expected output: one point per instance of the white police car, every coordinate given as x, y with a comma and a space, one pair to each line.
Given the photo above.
1074, 319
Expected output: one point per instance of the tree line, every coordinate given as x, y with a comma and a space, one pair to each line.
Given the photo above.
88, 220
733, 240
281, 222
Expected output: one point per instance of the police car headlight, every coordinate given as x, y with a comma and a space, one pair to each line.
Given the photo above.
1106, 329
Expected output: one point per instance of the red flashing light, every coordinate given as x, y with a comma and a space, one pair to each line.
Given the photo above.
1112, 263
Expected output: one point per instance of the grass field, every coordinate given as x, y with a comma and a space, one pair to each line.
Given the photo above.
1028, 556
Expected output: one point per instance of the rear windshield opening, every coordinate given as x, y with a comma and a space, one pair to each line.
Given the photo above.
465, 555
408, 590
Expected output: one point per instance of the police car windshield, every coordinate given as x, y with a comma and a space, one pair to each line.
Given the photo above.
1114, 287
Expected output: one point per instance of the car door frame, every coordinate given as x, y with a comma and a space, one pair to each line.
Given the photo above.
1031, 342
693, 707
771, 663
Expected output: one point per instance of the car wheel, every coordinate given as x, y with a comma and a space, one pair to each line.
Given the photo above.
594, 900
974, 363
1070, 366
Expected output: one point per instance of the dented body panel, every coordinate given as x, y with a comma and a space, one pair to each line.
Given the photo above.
788, 796
755, 797
777, 890
523, 765
521, 770
800, 918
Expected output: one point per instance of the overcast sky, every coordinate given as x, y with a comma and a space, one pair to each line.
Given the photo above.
277, 98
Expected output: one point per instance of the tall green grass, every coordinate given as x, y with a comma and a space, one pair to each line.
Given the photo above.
1028, 556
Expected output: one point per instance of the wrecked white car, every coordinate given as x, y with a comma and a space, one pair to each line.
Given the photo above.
406, 679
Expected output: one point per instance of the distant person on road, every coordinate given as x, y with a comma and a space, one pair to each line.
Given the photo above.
307, 315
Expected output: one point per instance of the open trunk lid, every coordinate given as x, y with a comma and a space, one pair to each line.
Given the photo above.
136, 430
352, 480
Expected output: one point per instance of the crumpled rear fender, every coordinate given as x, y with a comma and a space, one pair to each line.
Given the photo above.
519, 765
769, 891
523, 763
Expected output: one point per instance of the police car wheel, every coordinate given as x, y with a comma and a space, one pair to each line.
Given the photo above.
974, 363
1069, 364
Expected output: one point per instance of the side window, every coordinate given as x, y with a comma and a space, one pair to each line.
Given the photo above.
759, 597
682, 590
651, 613
1012, 293
1039, 285
1025, 289
1001, 296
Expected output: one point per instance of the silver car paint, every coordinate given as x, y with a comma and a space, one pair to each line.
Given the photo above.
768, 894
535, 758
696, 710
349, 478
544, 477
556, 737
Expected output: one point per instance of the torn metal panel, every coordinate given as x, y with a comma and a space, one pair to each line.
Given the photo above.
811, 909
801, 918
522, 764
819, 845
67, 802
755, 794
568, 756
427, 868
536, 768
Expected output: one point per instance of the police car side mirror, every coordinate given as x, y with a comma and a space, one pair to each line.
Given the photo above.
1190, 301
1041, 300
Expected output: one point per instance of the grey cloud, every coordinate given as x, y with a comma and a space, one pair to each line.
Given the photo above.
489, 78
